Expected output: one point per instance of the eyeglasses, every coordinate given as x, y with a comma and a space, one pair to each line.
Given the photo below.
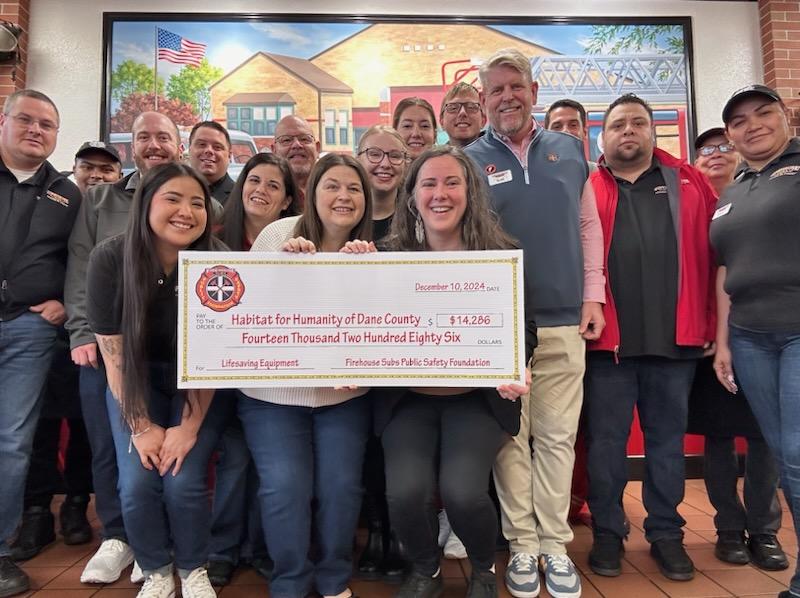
375, 155
723, 148
455, 107
26, 122
287, 140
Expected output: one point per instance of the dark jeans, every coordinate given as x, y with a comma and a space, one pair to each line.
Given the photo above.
768, 367
761, 511
302, 454
659, 388
104, 460
451, 440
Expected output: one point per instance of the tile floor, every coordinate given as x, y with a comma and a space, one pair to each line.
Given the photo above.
56, 571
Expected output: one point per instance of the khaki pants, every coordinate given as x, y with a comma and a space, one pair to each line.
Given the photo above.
535, 492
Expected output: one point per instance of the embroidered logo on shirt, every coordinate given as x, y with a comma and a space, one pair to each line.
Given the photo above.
552, 157
58, 198
785, 171
660, 189
491, 169
219, 288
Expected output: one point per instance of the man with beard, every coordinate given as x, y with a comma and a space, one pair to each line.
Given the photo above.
462, 115
210, 154
538, 186
104, 214
295, 141
655, 212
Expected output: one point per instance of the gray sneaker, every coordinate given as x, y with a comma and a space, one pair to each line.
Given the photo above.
560, 576
522, 576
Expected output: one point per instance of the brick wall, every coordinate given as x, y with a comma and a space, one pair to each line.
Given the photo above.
780, 45
11, 78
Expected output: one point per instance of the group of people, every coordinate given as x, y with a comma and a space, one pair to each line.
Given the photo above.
649, 283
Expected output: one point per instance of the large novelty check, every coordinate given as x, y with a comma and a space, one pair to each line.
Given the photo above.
331, 319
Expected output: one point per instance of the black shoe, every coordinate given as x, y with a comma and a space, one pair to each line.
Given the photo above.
370, 562
605, 557
263, 566
482, 584
220, 572
766, 552
673, 562
730, 548
394, 566
36, 532
12, 579
74, 526
418, 585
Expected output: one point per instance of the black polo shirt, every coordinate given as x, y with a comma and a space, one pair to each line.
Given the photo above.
104, 296
756, 235
221, 188
643, 269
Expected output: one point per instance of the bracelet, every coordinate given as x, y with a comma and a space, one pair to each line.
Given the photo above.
136, 435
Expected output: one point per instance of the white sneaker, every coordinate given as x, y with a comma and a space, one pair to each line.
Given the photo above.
108, 562
454, 548
444, 528
158, 586
136, 573
197, 585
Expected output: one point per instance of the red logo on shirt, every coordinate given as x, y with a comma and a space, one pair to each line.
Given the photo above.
490, 168
219, 288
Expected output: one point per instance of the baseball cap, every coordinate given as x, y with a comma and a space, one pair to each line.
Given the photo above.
746, 92
98, 146
706, 135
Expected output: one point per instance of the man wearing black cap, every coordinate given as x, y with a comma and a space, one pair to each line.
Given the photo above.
754, 233
96, 162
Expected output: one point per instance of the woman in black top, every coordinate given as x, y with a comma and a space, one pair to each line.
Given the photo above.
456, 432
163, 437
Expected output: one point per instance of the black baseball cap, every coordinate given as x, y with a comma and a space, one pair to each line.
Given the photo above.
747, 92
91, 147
706, 135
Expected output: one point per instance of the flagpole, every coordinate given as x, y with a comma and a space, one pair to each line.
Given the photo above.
155, 67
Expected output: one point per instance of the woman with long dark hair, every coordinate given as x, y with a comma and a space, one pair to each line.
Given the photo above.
446, 437
308, 443
163, 437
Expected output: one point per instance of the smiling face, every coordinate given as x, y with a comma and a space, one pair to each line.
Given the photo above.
417, 129
209, 153
628, 136
385, 177
264, 194
440, 196
759, 129
718, 166
28, 133
155, 141
339, 200
177, 214
464, 125
508, 98
567, 120
95, 168
294, 141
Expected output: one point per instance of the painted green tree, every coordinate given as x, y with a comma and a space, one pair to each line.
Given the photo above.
628, 39
133, 77
191, 85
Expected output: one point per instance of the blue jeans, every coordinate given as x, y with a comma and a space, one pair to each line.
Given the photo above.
659, 388
768, 367
302, 454
104, 461
26, 350
169, 515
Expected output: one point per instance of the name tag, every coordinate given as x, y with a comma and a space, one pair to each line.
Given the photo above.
722, 211
500, 177
60, 199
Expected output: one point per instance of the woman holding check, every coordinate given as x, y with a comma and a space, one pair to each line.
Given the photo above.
163, 437
308, 443
456, 432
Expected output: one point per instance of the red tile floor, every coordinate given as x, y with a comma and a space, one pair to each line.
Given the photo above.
56, 571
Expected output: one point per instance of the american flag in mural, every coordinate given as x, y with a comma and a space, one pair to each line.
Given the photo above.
179, 50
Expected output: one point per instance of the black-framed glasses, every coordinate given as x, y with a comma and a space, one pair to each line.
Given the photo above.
287, 140
723, 148
376, 154
455, 107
